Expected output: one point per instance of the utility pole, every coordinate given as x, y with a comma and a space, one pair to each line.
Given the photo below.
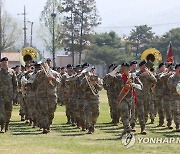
24, 28
31, 32
53, 15
0, 29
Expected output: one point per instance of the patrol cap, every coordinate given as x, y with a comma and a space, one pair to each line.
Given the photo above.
112, 65
161, 64
125, 64
85, 64
48, 60
142, 63
133, 62
4, 59
177, 65
69, 66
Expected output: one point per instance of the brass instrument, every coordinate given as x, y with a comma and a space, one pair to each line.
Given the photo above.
91, 86
46, 69
27, 55
178, 88
153, 57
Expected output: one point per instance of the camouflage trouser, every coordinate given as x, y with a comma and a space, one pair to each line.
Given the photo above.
72, 104
151, 107
91, 110
25, 100
31, 105
133, 114
143, 110
167, 108
22, 104
68, 107
125, 111
5, 109
47, 107
80, 111
160, 107
176, 111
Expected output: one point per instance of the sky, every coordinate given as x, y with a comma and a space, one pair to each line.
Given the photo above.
118, 15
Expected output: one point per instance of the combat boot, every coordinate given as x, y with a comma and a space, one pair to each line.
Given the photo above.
169, 123
45, 131
90, 130
22, 118
152, 121
143, 132
2, 127
83, 127
6, 126
133, 127
177, 128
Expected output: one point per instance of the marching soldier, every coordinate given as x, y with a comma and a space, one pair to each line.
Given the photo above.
91, 84
8, 91
147, 80
108, 84
172, 83
46, 82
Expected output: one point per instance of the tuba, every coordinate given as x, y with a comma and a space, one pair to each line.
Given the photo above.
28, 54
153, 57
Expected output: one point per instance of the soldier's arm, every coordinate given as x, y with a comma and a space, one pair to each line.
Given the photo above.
171, 84
152, 78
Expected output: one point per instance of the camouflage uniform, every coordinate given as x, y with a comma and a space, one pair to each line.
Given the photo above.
91, 104
167, 99
108, 84
46, 97
172, 83
144, 98
8, 89
65, 89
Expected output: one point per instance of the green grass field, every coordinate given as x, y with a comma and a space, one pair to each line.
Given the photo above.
22, 139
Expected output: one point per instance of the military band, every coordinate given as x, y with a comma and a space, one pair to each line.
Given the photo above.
134, 94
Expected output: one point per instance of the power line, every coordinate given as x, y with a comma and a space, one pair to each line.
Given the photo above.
153, 25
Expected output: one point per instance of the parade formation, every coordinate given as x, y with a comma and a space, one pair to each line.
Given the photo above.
136, 91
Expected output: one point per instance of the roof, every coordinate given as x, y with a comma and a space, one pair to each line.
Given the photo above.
12, 56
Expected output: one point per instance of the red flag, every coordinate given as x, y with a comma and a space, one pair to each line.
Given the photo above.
170, 58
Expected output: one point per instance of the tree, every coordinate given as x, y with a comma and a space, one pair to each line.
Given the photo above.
141, 37
161, 43
9, 30
80, 17
51, 20
105, 49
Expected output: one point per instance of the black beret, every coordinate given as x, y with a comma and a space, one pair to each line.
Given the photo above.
27, 65
48, 59
125, 64
169, 65
115, 67
69, 66
37, 65
4, 59
85, 64
162, 64
77, 66
142, 63
62, 68
16, 66
177, 65
58, 68
112, 65
133, 62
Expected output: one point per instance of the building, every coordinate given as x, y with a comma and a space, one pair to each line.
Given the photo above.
13, 58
